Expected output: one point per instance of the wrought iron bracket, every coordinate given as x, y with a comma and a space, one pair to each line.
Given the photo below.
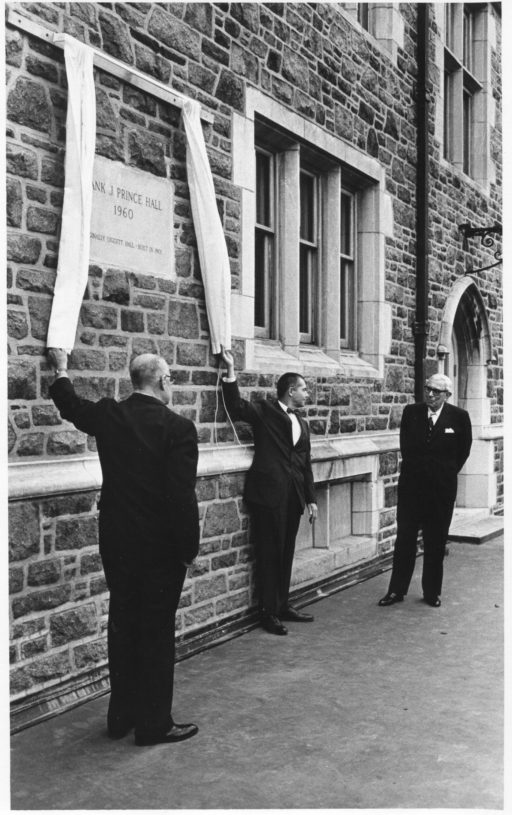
487, 235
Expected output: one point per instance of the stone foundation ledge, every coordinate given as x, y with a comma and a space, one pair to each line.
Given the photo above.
317, 564
30, 479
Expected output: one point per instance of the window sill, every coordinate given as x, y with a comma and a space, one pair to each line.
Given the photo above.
479, 184
311, 361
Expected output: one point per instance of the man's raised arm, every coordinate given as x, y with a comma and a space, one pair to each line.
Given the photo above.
238, 408
81, 412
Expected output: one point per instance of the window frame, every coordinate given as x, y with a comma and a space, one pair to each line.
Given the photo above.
268, 233
268, 123
348, 300
461, 86
310, 249
363, 16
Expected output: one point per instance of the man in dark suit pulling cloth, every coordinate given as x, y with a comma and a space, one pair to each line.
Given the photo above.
435, 441
278, 487
148, 535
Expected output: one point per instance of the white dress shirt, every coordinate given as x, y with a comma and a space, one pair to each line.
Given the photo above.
296, 428
435, 416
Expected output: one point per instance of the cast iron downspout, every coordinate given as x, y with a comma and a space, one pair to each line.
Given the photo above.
420, 326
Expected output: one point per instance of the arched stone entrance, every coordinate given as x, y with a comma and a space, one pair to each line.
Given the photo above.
464, 351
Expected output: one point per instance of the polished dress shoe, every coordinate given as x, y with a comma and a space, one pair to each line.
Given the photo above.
273, 625
296, 616
176, 732
435, 602
390, 598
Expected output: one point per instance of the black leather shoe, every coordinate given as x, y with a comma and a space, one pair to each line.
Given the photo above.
177, 732
273, 625
296, 616
435, 602
390, 598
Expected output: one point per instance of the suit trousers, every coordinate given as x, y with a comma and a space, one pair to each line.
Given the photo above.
415, 513
274, 530
141, 642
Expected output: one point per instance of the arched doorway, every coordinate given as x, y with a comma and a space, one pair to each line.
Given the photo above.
464, 364
464, 351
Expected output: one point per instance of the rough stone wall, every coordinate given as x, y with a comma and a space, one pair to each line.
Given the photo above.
388, 472
58, 594
307, 56
296, 52
58, 603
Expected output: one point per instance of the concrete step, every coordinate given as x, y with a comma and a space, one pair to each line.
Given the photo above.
315, 564
476, 530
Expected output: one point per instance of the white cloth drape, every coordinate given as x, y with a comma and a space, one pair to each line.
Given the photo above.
211, 243
76, 212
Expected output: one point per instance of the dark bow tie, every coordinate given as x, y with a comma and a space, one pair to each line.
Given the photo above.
290, 410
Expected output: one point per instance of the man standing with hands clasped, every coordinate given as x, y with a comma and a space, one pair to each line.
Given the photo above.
148, 535
278, 487
435, 440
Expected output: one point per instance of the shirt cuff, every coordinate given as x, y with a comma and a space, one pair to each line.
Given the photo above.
229, 378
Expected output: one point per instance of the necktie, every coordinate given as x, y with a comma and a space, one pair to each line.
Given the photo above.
430, 427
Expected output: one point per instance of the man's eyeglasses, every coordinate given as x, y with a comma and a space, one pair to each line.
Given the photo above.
435, 391
167, 377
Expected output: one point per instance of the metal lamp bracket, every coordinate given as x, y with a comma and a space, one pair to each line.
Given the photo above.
487, 238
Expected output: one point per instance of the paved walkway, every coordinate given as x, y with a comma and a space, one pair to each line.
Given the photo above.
366, 708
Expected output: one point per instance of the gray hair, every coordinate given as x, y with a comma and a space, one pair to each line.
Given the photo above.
146, 369
440, 381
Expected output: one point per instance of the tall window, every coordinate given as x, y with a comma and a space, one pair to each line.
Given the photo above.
308, 267
450, 26
264, 245
461, 85
307, 255
363, 15
347, 271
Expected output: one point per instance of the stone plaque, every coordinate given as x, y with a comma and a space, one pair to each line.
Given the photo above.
131, 221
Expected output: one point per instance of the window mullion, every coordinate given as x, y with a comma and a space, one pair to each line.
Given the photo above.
288, 248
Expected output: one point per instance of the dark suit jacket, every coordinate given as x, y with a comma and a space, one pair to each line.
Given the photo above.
148, 455
277, 462
431, 467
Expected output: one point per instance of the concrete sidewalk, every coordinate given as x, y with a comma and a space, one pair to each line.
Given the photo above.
366, 708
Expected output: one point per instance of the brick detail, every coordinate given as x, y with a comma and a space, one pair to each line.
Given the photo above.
76, 533
73, 624
24, 530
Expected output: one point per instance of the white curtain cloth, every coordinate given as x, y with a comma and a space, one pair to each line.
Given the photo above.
211, 243
73, 262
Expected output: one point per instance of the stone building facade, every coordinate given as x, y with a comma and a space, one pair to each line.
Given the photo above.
311, 129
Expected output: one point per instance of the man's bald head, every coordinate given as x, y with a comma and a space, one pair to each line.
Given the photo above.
146, 370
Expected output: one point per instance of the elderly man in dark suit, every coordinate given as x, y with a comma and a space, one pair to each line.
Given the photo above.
148, 535
435, 441
278, 487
